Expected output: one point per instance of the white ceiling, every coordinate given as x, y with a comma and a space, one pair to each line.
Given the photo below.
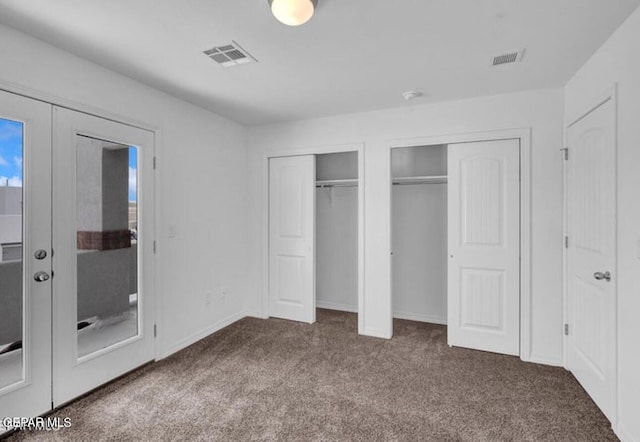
354, 55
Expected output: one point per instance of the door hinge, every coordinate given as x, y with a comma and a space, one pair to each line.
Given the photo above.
566, 329
565, 150
154, 246
155, 331
154, 163
566, 242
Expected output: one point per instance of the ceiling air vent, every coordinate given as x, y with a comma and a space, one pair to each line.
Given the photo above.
229, 55
508, 58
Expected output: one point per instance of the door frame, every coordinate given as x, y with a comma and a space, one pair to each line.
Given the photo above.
95, 111
524, 135
318, 150
609, 95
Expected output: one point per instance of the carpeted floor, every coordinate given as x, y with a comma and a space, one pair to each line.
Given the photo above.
280, 380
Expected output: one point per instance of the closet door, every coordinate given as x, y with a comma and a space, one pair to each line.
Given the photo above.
484, 246
291, 238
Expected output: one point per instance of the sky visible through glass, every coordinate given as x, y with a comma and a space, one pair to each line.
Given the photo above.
11, 138
10, 153
133, 175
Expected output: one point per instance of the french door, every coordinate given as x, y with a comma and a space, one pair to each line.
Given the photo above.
76, 237
25, 251
102, 238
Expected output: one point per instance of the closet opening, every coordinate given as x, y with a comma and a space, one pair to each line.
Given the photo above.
459, 246
336, 281
419, 233
316, 234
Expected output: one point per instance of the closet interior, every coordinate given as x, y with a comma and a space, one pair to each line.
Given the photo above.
337, 231
419, 233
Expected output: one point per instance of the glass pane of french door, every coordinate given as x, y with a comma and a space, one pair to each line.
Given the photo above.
11, 269
107, 251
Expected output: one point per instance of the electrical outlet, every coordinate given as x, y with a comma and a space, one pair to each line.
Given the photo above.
223, 293
207, 298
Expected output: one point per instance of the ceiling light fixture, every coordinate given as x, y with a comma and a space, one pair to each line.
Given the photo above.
293, 12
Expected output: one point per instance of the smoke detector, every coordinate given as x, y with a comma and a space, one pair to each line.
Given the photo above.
229, 55
412, 95
508, 58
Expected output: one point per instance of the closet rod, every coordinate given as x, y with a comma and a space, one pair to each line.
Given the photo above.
337, 183
437, 179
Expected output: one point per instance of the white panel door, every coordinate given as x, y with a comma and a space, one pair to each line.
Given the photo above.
484, 246
591, 261
291, 238
25, 229
103, 233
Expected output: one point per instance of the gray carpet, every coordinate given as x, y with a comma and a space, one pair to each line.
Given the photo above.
280, 380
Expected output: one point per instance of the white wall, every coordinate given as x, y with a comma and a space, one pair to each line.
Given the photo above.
420, 261
419, 251
617, 61
419, 235
10, 200
201, 182
540, 110
10, 229
337, 248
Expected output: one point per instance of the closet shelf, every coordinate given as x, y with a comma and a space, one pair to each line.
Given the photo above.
350, 182
432, 179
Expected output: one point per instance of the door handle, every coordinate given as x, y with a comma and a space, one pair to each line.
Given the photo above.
41, 276
600, 276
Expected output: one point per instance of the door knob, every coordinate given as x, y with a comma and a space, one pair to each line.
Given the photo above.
41, 276
600, 276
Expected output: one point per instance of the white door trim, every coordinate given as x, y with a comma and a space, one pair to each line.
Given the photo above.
56, 100
610, 94
524, 135
317, 150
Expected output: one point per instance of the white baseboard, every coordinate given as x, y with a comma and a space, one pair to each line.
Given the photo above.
195, 337
255, 314
337, 306
623, 434
544, 360
420, 318
375, 333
